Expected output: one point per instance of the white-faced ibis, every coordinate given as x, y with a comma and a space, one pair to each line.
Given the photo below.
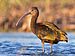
46, 31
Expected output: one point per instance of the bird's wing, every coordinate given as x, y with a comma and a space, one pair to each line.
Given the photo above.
54, 27
60, 34
44, 31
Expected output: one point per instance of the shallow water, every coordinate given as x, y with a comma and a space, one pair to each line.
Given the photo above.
27, 44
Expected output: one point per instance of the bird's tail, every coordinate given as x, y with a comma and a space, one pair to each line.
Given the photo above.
63, 38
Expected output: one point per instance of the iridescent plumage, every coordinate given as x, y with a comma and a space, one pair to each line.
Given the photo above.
46, 31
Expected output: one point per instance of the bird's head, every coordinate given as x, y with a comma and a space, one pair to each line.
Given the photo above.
33, 12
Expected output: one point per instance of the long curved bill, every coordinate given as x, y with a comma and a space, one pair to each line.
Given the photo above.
19, 21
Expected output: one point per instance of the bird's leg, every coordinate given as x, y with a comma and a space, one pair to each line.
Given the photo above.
43, 46
51, 48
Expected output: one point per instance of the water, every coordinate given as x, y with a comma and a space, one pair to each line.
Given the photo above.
27, 44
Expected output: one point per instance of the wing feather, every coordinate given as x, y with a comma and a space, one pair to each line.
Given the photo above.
54, 27
61, 35
45, 32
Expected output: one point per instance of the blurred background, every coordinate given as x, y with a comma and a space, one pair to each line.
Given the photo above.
60, 12
19, 41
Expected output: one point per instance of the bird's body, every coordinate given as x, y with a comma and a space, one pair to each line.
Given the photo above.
46, 31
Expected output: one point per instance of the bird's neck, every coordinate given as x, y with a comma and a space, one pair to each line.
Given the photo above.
33, 23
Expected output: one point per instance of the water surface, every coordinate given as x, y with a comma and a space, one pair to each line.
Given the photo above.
27, 44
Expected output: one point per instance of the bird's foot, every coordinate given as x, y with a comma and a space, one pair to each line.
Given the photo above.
43, 51
51, 52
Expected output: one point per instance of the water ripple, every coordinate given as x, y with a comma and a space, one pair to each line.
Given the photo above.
32, 47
